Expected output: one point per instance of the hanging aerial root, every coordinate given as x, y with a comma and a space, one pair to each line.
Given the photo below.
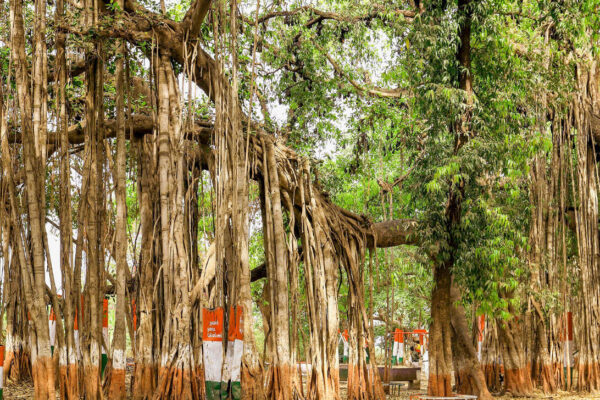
559, 374
144, 381
198, 380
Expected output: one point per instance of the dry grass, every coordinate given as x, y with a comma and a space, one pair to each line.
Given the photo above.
21, 390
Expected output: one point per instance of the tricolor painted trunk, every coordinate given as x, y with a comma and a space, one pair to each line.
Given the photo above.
76, 337
134, 320
31, 342
52, 327
568, 348
346, 346
1, 372
230, 382
398, 350
104, 334
568, 353
212, 346
480, 332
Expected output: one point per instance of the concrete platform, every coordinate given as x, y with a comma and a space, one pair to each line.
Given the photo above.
395, 374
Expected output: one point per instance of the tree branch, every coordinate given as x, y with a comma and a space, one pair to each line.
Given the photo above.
375, 91
377, 11
195, 17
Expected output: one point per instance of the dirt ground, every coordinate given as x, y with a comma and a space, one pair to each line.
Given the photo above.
405, 395
540, 396
25, 391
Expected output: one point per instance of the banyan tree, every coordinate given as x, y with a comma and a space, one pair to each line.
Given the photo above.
148, 145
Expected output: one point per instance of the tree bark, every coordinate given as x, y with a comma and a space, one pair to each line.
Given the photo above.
440, 351
116, 388
175, 375
517, 374
144, 376
468, 372
32, 110
280, 373
588, 365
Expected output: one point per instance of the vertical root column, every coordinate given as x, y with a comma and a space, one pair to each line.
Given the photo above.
68, 374
17, 363
43, 372
175, 380
144, 381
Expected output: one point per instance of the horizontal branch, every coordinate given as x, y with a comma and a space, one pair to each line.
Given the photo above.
138, 125
75, 68
375, 91
376, 11
393, 233
383, 234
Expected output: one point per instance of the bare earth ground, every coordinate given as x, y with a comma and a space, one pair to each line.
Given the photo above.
558, 396
25, 391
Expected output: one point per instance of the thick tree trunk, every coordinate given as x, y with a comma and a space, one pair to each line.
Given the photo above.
588, 365
440, 351
175, 375
491, 360
517, 376
468, 373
